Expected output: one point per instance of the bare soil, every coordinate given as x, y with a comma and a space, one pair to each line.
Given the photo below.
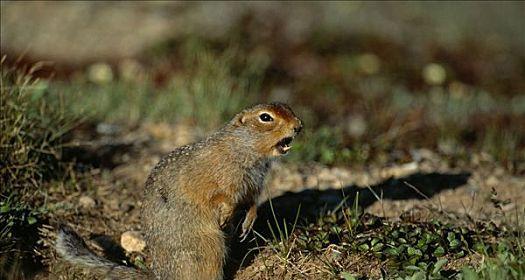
477, 189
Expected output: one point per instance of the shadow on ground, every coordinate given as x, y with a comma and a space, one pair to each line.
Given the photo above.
103, 145
313, 203
16, 258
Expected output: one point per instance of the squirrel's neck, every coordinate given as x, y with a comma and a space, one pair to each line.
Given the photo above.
232, 152
238, 145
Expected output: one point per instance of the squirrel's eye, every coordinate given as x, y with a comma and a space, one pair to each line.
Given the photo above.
265, 117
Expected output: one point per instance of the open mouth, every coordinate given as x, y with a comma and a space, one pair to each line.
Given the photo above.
283, 146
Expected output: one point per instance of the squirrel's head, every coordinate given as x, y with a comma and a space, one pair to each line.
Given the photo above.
271, 127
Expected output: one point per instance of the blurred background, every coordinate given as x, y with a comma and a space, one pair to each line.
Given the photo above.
369, 77
94, 93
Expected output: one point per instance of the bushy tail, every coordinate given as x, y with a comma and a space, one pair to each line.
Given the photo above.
73, 249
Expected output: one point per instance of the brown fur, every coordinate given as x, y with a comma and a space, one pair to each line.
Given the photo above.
192, 193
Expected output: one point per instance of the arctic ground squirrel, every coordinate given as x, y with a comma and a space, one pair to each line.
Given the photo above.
193, 193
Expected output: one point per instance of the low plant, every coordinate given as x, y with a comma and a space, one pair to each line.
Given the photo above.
212, 88
31, 143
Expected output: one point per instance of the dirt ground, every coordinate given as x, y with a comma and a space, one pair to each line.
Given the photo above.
394, 98
107, 203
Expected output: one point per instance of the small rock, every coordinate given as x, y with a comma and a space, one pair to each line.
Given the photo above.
356, 126
369, 63
108, 129
132, 241
434, 74
114, 204
492, 181
86, 202
100, 73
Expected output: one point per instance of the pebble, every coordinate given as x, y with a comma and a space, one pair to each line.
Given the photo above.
132, 241
114, 204
86, 202
100, 73
492, 181
434, 74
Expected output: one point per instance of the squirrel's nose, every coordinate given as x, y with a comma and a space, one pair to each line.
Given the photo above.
298, 128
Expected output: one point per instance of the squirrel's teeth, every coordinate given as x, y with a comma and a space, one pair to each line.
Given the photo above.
283, 146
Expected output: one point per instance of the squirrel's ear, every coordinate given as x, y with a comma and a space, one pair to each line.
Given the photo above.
239, 119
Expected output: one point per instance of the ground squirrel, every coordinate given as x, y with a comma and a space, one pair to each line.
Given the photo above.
193, 192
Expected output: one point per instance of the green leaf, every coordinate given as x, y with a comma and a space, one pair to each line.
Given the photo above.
479, 247
31, 220
347, 276
451, 236
392, 251
459, 254
395, 234
469, 274
4, 208
139, 261
413, 267
413, 260
439, 252
413, 251
420, 275
377, 247
439, 264
363, 247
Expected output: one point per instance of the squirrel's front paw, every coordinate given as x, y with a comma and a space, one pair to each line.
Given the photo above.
247, 224
225, 212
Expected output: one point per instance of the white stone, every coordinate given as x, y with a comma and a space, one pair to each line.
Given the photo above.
86, 202
132, 241
434, 74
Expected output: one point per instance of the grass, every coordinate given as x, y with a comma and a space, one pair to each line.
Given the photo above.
506, 265
353, 116
32, 131
401, 249
506, 260
213, 87
31, 142
455, 127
